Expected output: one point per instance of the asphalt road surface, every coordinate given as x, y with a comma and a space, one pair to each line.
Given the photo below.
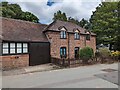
80, 77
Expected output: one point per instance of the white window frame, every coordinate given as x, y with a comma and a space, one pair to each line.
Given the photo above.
25, 47
5, 48
19, 48
77, 35
12, 48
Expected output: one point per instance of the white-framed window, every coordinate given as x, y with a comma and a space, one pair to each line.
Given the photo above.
77, 35
63, 52
25, 48
88, 36
63, 34
12, 48
5, 48
19, 47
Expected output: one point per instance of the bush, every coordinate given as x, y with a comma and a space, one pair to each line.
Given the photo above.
104, 54
115, 55
86, 54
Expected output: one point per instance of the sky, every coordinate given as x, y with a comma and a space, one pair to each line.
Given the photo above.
45, 9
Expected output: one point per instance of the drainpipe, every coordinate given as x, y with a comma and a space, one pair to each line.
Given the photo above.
85, 35
68, 46
85, 40
68, 49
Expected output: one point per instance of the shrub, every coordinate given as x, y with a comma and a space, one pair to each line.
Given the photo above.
86, 54
104, 54
115, 55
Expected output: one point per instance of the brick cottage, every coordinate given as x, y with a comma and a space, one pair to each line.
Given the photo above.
25, 43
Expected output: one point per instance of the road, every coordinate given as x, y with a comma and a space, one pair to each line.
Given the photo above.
80, 77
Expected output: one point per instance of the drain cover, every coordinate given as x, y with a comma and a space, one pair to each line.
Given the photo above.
109, 70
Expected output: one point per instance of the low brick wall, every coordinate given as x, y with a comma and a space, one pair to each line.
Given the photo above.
14, 61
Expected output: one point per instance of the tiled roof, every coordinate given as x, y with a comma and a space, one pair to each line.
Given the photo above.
18, 30
68, 25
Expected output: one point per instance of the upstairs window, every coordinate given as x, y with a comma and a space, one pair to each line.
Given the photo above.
88, 36
77, 35
63, 34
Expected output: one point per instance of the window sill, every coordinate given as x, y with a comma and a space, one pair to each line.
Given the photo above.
77, 39
87, 40
14, 54
63, 38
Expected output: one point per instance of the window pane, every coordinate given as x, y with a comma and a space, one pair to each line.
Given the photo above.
19, 47
64, 34
5, 45
12, 47
25, 50
5, 51
64, 51
19, 44
12, 50
61, 34
19, 50
25, 45
60, 51
75, 35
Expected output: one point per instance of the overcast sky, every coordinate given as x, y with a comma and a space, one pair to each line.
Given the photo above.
45, 9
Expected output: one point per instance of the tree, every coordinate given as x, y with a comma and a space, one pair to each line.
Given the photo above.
60, 16
29, 17
117, 40
85, 24
104, 22
70, 19
14, 11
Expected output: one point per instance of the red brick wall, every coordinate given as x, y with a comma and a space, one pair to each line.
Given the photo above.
91, 43
14, 61
56, 43
76, 43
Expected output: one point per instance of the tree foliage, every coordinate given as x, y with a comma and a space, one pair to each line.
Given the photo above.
117, 42
104, 22
60, 16
14, 11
